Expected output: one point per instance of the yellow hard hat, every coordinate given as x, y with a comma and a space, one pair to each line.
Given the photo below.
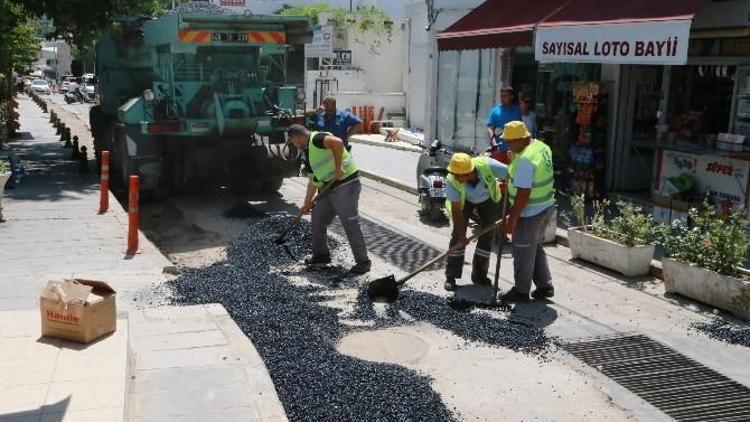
515, 130
461, 164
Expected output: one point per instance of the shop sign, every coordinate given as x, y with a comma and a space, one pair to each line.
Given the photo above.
720, 177
632, 43
322, 43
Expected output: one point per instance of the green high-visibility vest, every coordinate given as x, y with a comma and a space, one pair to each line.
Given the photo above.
322, 163
485, 173
543, 184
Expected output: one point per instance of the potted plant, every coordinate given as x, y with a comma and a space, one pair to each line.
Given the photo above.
623, 244
704, 260
4, 176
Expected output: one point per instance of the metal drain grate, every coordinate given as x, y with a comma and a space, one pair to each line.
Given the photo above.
395, 248
675, 384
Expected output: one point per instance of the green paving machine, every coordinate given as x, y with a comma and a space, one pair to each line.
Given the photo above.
199, 98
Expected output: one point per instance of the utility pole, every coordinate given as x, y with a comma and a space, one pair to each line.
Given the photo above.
350, 6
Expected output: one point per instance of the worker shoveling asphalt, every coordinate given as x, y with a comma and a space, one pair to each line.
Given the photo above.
385, 289
328, 162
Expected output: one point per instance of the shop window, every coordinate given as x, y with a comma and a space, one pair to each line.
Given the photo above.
700, 101
466, 90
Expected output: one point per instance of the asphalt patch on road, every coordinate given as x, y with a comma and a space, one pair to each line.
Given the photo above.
495, 327
296, 336
725, 331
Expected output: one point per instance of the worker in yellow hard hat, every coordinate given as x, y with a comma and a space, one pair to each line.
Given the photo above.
472, 185
532, 195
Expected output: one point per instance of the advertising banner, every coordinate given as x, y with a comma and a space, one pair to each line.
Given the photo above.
322, 43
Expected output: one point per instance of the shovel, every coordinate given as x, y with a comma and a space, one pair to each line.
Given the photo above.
322, 191
385, 289
501, 232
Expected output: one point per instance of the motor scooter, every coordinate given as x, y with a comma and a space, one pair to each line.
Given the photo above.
432, 181
74, 97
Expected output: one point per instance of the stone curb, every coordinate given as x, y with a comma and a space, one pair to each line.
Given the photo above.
408, 148
389, 181
655, 270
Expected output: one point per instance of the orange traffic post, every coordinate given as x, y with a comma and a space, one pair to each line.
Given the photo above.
133, 215
104, 184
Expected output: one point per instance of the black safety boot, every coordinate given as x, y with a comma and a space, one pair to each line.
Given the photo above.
318, 260
481, 281
514, 295
361, 268
450, 284
543, 293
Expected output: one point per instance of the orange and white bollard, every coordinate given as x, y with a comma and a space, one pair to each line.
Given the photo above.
133, 215
104, 184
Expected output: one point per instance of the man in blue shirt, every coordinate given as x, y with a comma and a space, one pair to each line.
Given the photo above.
501, 114
340, 123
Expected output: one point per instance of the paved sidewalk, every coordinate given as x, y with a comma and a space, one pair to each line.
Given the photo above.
53, 380
193, 363
53, 230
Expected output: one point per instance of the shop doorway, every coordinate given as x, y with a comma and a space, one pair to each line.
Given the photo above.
641, 93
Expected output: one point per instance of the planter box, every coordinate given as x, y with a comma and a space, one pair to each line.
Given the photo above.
630, 261
724, 292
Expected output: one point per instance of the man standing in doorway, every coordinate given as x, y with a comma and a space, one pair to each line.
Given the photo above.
472, 185
339, 123
326, 160
501, 114
532, 195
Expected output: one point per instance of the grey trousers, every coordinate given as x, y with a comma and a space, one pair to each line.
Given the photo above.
489, 212
342, 201
529, 260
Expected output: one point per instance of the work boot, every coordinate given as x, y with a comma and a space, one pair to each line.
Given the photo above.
481, 281
543, 293
450, 284
361, 268
514, 295
318, 260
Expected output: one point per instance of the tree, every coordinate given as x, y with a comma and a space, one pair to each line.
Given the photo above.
80, 21
362, 20
18, 42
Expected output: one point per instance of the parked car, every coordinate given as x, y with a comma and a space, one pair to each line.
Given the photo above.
40, 86
64, 86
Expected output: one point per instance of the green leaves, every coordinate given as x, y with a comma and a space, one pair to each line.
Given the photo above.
718, 243
630, 226
362, 19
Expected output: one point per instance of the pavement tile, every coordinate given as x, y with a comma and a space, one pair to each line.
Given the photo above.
172, 379
22, 398
29, 348
21, 417
85, 394
101, 367
217, 355
199, 398
179, 341
245, 414
25, 371
170, 327
114, 414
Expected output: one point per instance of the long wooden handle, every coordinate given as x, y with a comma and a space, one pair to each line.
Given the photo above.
452, 249
501, 232
322, 191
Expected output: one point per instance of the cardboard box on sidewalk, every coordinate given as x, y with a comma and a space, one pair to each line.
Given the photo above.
78, 310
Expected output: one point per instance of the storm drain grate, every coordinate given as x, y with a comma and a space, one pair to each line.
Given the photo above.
395, 248
675, 384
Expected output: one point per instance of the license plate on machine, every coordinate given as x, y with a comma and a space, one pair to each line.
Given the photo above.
229, 37
437, 192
